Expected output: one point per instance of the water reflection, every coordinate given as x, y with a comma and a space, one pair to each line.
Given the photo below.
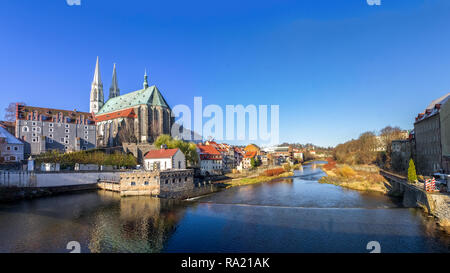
289, 215
141, 224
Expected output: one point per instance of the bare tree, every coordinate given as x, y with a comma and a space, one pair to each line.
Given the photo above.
10, 111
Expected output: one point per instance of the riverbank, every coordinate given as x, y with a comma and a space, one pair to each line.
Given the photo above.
360, 179
254, 180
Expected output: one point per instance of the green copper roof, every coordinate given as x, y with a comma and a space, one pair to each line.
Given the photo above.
150, 96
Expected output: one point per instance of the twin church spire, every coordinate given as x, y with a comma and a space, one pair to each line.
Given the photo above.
97, 97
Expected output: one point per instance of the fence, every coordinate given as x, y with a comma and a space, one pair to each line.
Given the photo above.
17, 179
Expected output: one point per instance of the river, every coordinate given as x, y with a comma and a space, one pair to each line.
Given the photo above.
288, 215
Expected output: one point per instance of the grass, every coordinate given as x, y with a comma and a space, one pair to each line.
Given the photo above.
347, 177
255, 180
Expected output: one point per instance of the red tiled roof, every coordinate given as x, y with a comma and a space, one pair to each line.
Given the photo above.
208, 152
208, 149
162, 153
126, 113
250, 154
24, 112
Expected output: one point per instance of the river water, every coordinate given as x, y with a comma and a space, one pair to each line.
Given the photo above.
288, 215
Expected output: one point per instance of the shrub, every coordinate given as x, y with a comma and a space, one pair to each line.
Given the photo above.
273, 172
330, 165
346, 171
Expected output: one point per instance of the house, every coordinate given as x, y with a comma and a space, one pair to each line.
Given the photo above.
210, 160
247, 161
431, 135
164, 159
11, 148
45, 129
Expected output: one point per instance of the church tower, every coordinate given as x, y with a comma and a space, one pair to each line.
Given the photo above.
97, 99
114, 90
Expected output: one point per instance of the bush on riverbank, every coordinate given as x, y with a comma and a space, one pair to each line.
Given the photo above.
273, 172
348, 177
87, 157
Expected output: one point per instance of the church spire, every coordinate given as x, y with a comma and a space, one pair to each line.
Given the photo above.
97, 99
114, 90
145, 80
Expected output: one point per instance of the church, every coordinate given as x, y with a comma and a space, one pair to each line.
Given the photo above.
136, 117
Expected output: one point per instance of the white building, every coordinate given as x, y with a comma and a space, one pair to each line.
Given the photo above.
211, 162
11, 149
164, 159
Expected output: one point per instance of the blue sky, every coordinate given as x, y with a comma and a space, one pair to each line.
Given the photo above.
337, 68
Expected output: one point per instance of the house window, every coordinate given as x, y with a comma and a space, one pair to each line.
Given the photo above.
67, 141
85, 127
34, 123
86, 137
25, 129
133, 183
50, 125
67, 131
83, 148
34, 134
167, 181
50, 129
8, 148
35, 139
179, 164
86, 132
146, 183
12, 158
67, 126
62, 139
50, 135
50, 140
16, 148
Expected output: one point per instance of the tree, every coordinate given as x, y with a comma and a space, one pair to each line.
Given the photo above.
10, 111
189, 149
412, 175
253, 162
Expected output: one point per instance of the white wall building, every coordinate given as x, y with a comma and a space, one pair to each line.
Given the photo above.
164, 159
11, 149
211, 162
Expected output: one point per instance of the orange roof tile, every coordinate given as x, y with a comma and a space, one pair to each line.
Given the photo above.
126, 113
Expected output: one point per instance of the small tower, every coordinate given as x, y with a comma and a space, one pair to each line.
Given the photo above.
114, 90
97, 99
145, 80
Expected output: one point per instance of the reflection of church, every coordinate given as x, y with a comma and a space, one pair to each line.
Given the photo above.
136, 117
142, 226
